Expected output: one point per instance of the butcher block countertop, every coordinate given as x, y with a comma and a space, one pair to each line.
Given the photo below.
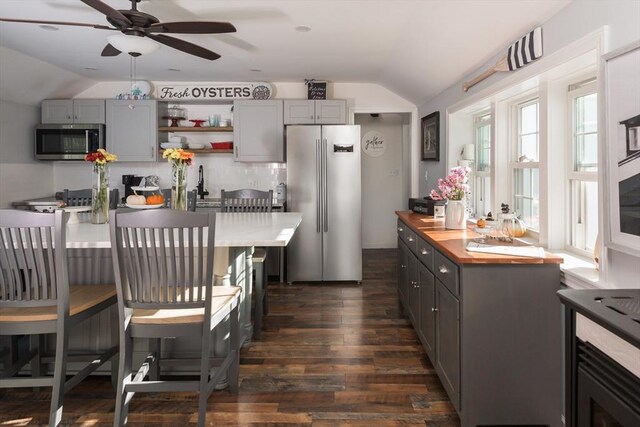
453, 243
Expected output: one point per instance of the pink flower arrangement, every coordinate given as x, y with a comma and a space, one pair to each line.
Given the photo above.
454, 186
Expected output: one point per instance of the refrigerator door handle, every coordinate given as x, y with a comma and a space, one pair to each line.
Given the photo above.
324, 185
318, 186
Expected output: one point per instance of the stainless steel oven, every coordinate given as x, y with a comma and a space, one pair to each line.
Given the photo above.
67, 142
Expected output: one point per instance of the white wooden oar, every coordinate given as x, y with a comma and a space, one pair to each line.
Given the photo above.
519, 54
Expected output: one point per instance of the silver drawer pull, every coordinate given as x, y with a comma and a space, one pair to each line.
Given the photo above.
403, 266
423, 251
400, 229
409, 238
433, 309
443, 269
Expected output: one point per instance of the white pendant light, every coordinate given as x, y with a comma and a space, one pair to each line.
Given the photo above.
133, 45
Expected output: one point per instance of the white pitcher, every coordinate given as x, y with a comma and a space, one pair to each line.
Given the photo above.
455, 216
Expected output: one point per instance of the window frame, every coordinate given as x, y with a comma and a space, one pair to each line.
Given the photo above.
481, 119
515, 121
586, 87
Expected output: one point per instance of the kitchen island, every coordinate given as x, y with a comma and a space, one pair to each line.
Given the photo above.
491, 324
89, 260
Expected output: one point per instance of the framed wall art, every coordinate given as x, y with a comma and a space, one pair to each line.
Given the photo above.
431, 136
621, 148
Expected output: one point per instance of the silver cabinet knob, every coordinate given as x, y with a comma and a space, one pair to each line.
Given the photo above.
433, 309
311, 117
409, 238
403, 266
443, 269
423, 251
400, 229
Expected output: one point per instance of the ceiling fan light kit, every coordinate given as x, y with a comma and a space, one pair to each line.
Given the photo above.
143, 33
133, 45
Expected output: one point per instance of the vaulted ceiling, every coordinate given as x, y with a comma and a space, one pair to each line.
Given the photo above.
415, 48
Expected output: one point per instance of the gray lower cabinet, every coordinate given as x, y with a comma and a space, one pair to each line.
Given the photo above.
132, 129
258, 132
492, 332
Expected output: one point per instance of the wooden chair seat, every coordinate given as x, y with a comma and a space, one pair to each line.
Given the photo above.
224, 298
81, 298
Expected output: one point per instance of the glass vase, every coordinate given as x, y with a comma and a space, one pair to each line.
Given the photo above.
179, 186
100, 194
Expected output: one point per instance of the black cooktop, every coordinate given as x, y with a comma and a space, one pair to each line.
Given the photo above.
617, 310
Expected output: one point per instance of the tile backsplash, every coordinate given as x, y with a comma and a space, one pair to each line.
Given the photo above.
220, 172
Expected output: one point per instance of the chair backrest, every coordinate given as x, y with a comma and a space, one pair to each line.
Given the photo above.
83, 197
163, 258
191, 198
33, 261
246, 200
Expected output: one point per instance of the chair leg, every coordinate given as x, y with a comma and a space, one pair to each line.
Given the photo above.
265, 303
234, 346
155, 346
260, 276
59, 376
124, 376
203, 389
36, 342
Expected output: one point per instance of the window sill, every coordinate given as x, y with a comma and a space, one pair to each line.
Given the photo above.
578, 272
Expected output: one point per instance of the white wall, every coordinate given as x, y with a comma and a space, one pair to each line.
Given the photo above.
578, 20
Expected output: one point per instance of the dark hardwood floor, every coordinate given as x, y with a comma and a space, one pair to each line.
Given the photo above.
330, 355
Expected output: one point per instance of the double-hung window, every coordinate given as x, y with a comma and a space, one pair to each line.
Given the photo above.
524, 163
583, 166
482, 171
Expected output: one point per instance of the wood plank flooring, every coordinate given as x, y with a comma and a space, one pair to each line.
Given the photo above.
330, 355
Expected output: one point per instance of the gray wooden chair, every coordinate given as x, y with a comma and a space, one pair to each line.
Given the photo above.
83, 197
191, 198
250, 200
163, 263
36, 299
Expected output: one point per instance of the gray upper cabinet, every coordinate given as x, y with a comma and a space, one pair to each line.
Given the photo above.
321, 112
67, 111
132, 133
258, 132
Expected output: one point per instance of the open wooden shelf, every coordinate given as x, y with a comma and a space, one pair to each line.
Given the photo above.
207, 151
194, 129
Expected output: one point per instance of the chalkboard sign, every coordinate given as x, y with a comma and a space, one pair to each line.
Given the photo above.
317, 90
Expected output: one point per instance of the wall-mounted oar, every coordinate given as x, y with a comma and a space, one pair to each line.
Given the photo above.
519, 54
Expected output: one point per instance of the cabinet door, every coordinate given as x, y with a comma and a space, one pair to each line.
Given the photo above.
132, 132
258, 133
427, 320
402, 270
299, 112
448, 341
88, 111
331, 112
412, 288
57, 111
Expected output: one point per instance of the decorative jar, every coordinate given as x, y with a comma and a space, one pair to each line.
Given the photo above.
456, 215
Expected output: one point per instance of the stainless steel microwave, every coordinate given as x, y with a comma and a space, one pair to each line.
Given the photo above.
67, 142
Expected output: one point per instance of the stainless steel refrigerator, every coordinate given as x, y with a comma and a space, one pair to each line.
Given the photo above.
323, 182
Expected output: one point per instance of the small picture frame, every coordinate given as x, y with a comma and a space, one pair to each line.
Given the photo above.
438, 211
431, 136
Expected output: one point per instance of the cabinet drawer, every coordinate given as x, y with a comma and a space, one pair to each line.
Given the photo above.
425, 251
410, 238
447, 272
401, 230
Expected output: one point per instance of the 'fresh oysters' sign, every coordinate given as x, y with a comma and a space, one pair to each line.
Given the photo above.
209, 91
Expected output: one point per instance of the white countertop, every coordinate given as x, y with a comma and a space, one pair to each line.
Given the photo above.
232, 230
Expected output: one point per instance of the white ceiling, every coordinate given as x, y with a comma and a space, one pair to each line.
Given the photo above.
415, 48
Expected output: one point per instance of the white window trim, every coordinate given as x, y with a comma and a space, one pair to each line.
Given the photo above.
480, 119
571, 174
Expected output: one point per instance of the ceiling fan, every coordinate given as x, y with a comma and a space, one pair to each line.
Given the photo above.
135, 23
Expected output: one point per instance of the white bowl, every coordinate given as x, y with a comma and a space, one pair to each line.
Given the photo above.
166, 145
195, 146
176, 138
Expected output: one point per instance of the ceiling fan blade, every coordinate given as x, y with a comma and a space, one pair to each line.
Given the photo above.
192, 27
112, 13
109, 50
184, 46
74, 24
